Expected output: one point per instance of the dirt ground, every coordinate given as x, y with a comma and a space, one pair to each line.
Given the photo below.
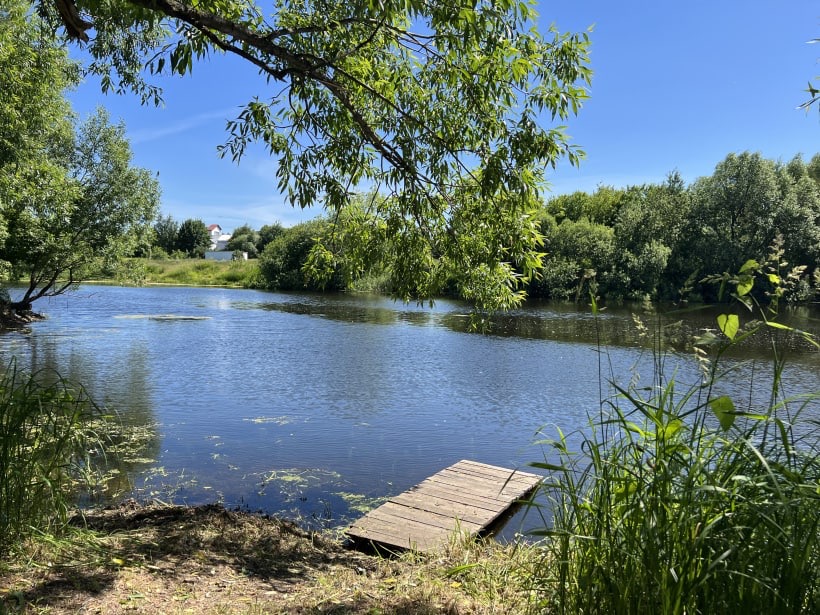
162, 559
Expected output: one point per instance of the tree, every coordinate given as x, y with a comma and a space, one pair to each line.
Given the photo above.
69, 198
88, 207
600, 207
435, 104
580, 253
268, 233
647, 230
733, 214
35, 127
166, 230
193, 238
282, 264
813, 168
244, 239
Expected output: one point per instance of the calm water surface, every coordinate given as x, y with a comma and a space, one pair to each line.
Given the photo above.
309, 406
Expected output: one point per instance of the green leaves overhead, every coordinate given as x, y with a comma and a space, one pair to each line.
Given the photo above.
433, 105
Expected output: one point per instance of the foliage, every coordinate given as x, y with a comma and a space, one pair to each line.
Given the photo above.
193, 238
268, 233
35, 129
434, 105
281, 265
579, 252
46, 438
166, 230
688, 502
244, 239
600, 207
69, 198
647, 230
733, 213
92, 208
659, 241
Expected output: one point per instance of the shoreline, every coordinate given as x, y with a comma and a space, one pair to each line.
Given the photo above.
160, 558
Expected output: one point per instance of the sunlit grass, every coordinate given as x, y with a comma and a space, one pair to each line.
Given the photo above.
198, 272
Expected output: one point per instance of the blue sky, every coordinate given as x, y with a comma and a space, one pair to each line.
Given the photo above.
677, 85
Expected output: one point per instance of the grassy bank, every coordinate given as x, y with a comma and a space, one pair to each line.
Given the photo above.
208, 560
195, 272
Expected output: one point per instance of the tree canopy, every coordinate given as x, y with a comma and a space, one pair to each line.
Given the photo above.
452, 110
193, 238
70, 198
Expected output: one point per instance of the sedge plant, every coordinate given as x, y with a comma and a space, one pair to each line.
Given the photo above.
682, 500
47, 440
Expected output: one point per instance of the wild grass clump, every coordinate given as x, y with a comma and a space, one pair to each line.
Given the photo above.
687, 501
46, 440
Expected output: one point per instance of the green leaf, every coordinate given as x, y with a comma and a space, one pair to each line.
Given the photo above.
728, 324
745, 284
750, 265
724, 409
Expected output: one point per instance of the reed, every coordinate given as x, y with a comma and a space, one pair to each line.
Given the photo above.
681, 500
46, 444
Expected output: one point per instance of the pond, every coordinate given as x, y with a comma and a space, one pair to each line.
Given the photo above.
315, 407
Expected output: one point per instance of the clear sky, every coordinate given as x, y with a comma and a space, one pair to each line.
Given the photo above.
677, 85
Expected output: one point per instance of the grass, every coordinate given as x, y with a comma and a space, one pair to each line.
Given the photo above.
194, 272
46, 439
680, 500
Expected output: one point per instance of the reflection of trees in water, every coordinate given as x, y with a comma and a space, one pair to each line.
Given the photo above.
630, 326
122, 389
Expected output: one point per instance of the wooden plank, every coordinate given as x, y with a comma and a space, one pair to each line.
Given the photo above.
468, 496
478, 489
419, 521
447, 491
461, 509
387, 537
513, 477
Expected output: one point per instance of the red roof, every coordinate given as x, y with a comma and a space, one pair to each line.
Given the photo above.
213, 226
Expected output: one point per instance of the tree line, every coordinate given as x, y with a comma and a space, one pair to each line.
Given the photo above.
191, 239
457, 208
654, 241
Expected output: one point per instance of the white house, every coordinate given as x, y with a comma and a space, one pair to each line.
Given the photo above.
219, 240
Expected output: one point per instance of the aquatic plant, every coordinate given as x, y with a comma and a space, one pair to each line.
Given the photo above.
683, 500
47, 440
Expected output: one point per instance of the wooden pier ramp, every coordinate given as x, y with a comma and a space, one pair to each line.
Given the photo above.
466, 497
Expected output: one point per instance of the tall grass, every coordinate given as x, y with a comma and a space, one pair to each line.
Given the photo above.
46, 440
681, 500
197, 272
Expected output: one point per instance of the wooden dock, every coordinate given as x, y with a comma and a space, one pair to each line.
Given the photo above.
466, 497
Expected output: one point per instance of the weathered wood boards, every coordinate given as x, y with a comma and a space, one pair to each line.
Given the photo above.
466, 497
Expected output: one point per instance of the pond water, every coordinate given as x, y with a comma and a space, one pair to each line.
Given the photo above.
313, 406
